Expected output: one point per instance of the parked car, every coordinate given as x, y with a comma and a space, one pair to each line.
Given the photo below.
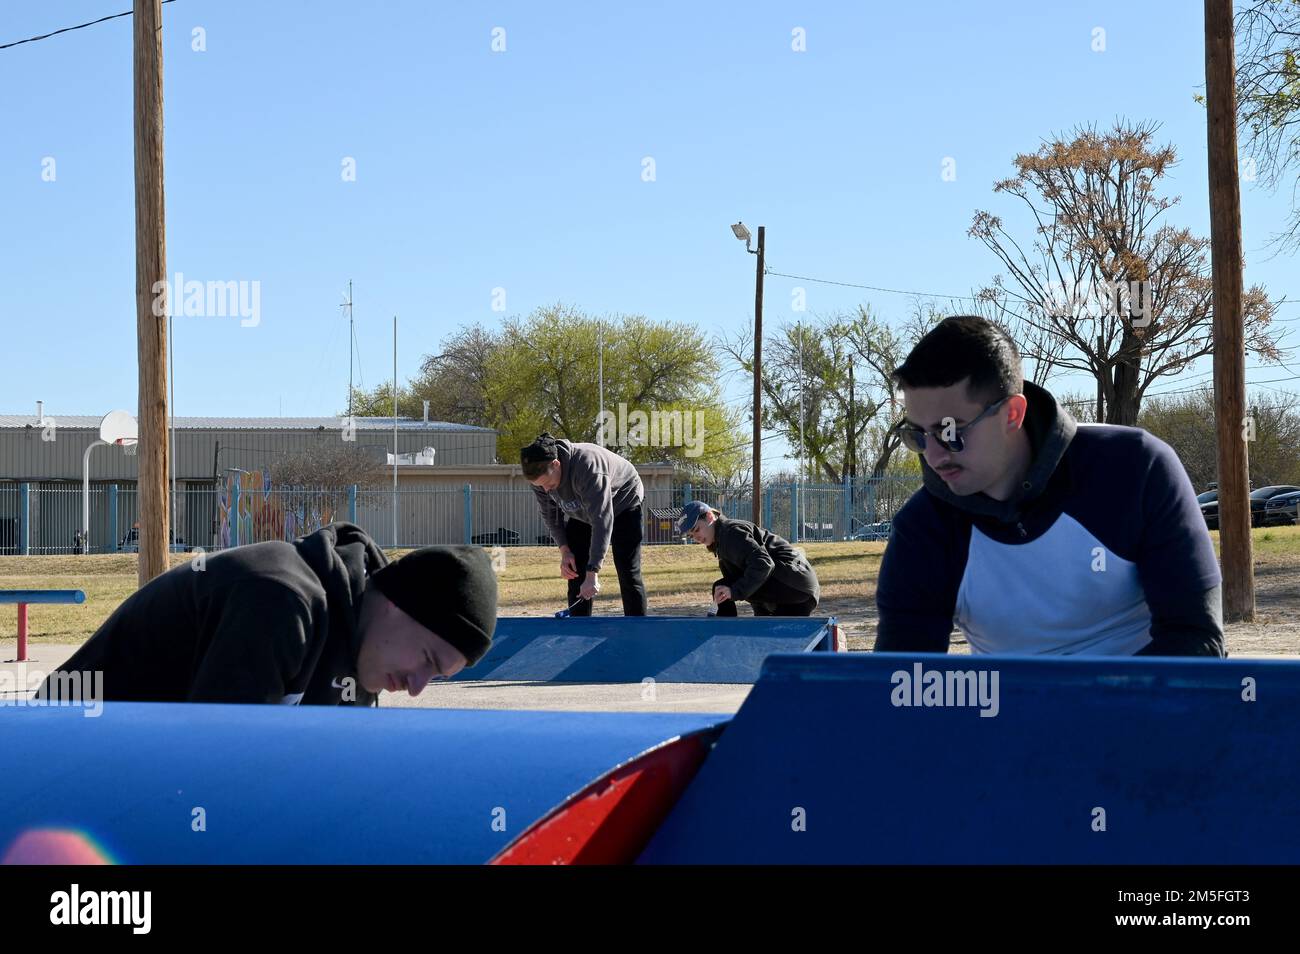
1258, 502
131, 543
501, 536
1281, 510
872, 531
817, 531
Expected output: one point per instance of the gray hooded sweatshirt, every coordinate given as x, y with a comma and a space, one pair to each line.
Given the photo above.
596, 485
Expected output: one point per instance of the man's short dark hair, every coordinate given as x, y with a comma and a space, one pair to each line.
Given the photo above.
960, 347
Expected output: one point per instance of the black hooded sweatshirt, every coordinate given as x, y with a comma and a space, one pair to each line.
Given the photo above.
1102, 550
270, 622
751, 556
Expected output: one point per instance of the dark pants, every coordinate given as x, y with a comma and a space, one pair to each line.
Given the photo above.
771, 599
625, 543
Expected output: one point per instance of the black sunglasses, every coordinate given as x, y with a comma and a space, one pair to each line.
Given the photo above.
913, 438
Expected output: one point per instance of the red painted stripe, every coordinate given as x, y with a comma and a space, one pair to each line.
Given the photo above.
611, 820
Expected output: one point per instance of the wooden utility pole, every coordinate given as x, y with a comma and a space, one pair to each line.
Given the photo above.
1236, 557
758, 383
1101, 392
150, 274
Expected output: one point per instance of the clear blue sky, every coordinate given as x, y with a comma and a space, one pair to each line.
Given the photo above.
523, 170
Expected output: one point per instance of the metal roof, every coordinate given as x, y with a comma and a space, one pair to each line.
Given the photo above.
90, 422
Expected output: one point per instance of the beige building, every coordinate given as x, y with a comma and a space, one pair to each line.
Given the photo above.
464, 495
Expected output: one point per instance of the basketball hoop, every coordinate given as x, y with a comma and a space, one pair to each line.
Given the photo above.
115, 428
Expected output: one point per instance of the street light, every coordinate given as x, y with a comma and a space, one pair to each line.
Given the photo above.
743, 235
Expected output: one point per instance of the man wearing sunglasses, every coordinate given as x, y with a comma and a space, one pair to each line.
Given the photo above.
1034, 534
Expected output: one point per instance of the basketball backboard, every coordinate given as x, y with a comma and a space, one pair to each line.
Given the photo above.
118, 427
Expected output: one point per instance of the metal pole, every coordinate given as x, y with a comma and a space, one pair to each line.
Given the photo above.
85, 494
171, 408
394, 431
22, 632
351, 337
758, 375
600, 347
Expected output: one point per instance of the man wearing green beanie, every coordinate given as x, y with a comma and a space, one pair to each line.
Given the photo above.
324, 620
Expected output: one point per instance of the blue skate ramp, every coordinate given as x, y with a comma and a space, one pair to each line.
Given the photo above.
1184, 768
304, 785
634, 648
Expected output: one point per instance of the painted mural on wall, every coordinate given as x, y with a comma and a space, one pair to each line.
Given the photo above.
267, 512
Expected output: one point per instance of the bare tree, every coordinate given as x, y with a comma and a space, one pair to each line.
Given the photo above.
331, 465
455, 381
312, 485
1103, 288
841, 366
1268, 99
1187, 423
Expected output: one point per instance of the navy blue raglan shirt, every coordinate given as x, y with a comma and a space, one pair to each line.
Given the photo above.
1101, 551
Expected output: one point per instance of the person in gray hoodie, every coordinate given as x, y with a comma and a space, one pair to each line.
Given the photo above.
590, 499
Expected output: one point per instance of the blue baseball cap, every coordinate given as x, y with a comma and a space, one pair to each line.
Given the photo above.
690, 514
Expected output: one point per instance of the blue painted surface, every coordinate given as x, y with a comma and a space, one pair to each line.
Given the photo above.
632, 648
42, 596
284, 784
1186, 771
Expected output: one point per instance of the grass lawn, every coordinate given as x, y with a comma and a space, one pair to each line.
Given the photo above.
530, 583
677, 578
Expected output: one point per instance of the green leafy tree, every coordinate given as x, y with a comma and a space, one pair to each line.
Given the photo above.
543, 375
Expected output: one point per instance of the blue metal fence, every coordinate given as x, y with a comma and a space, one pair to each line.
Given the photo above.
861, 510
46, 518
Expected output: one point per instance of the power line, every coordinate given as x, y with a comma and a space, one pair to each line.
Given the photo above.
1208, 386
79, 26
891, 291
921, 294
1205, 375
